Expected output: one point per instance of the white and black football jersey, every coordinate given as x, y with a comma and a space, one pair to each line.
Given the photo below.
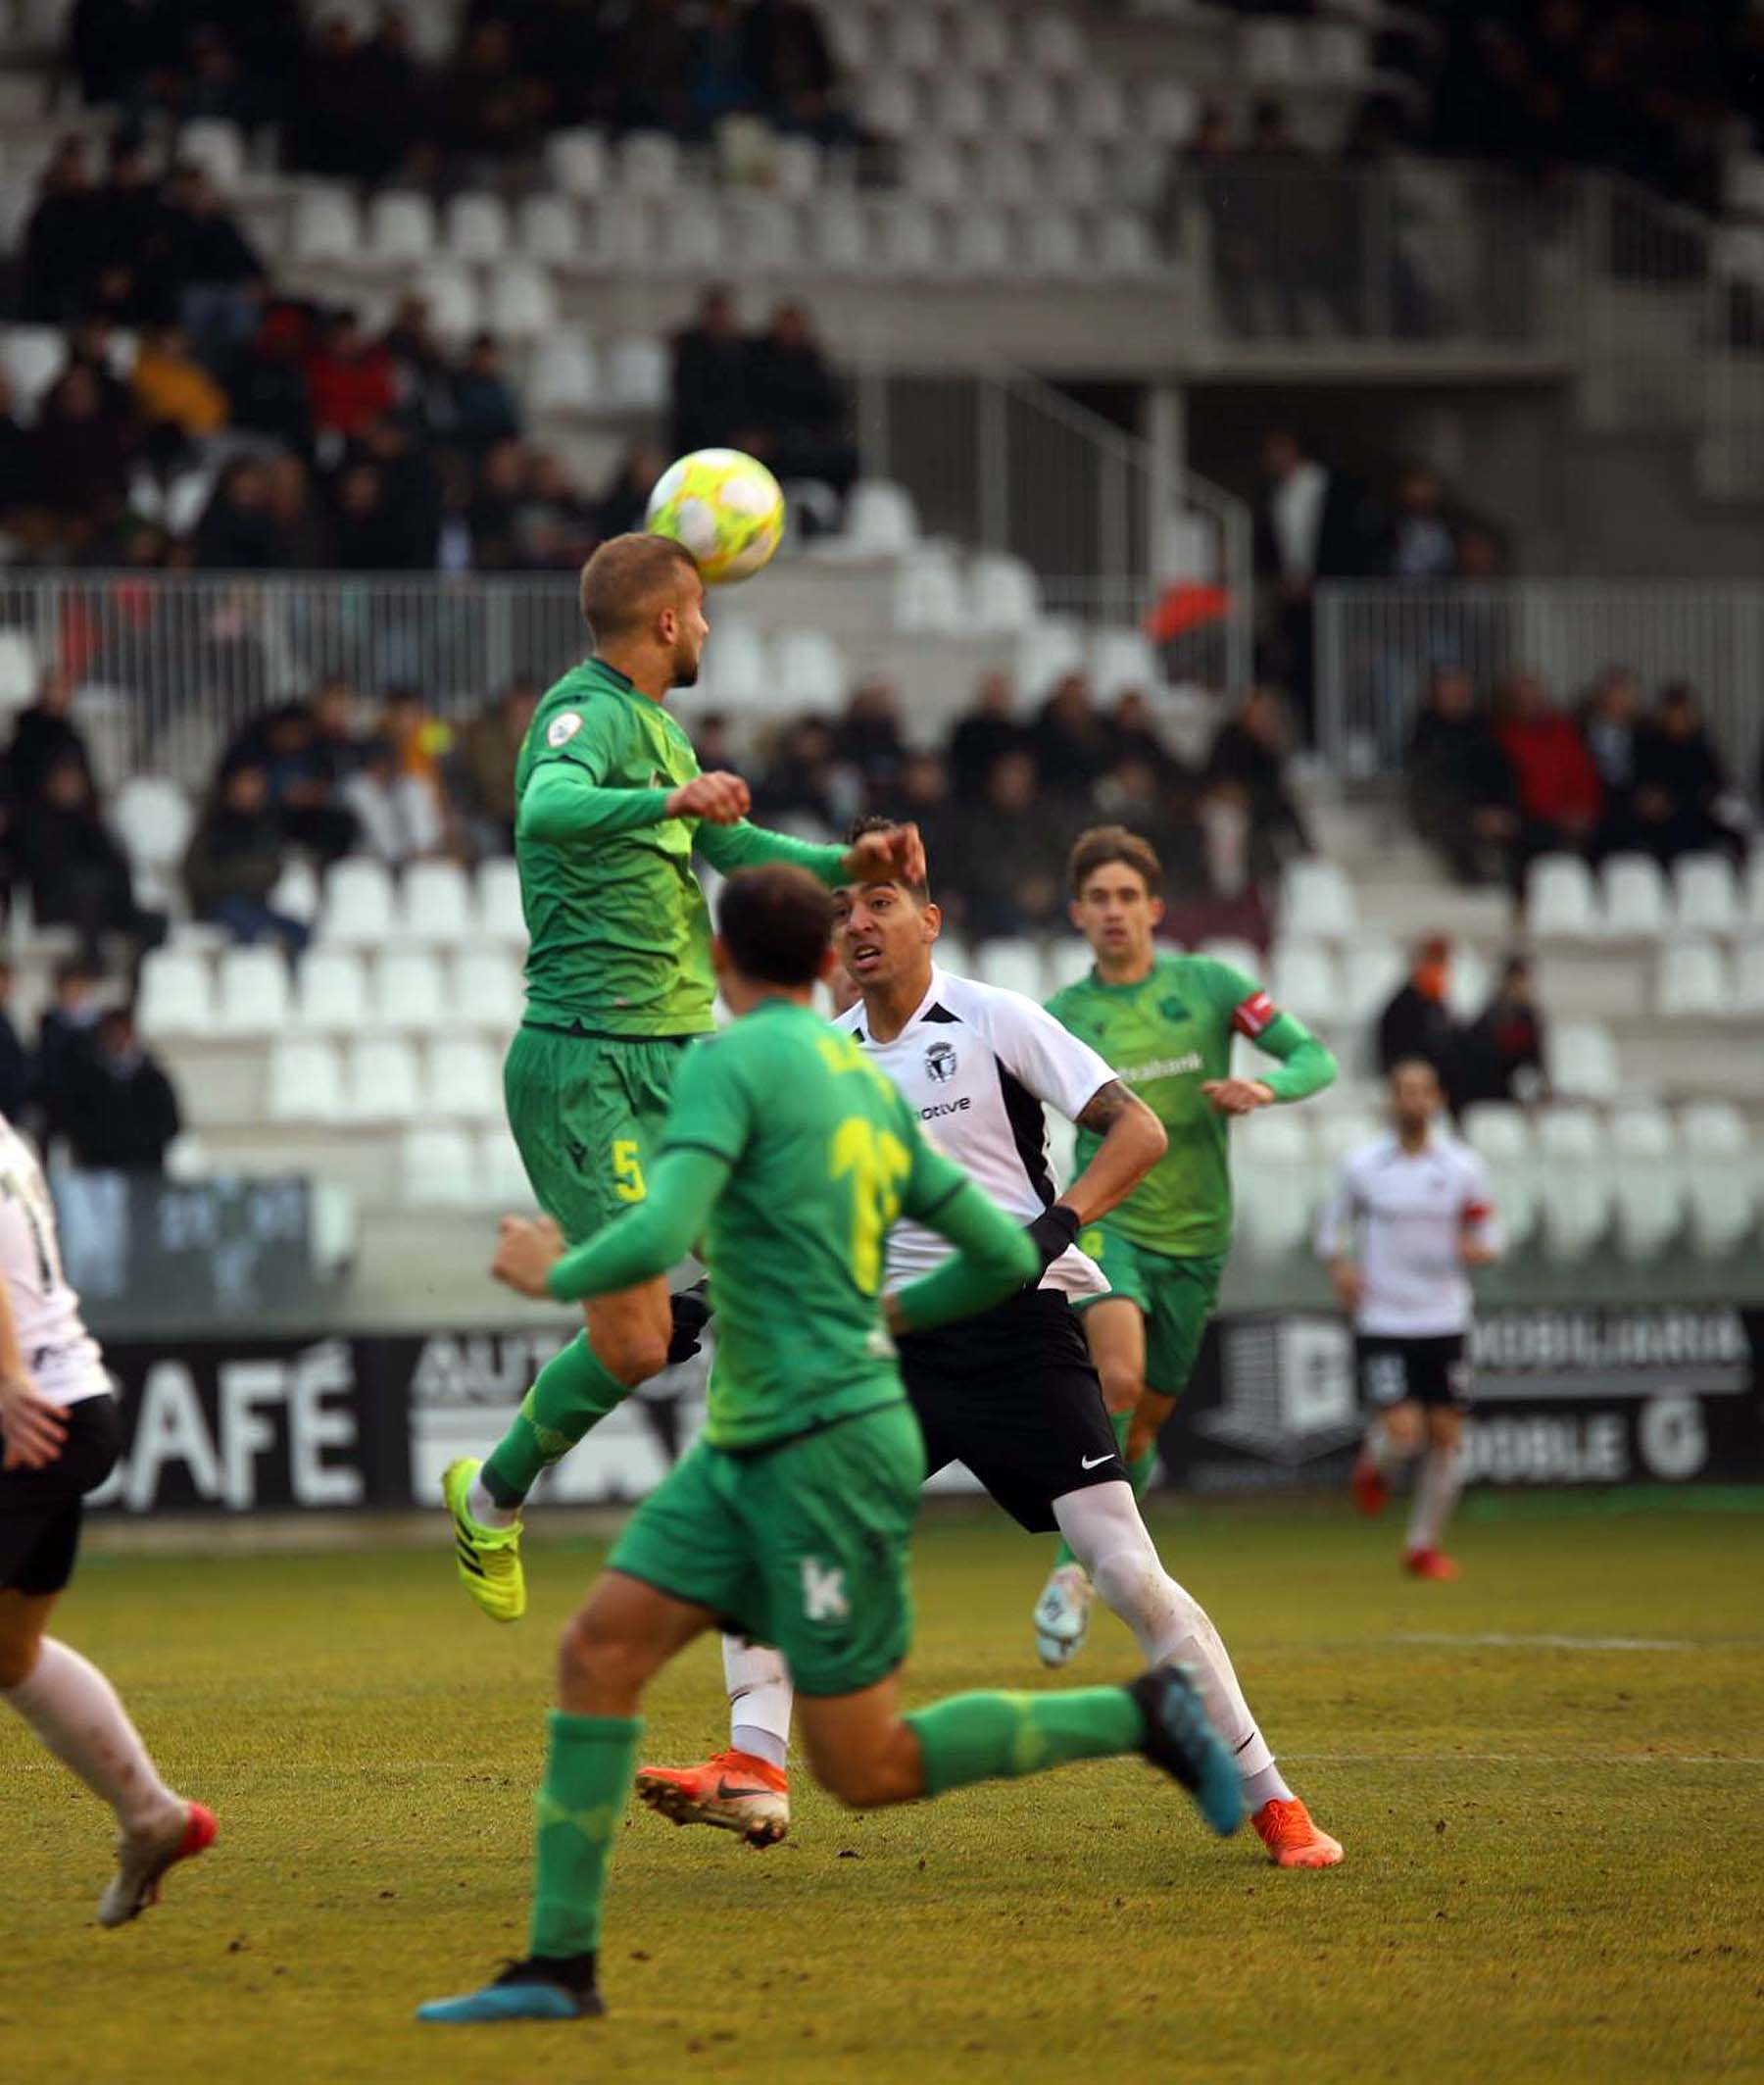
62, 1356
1410, 1213
977, 1063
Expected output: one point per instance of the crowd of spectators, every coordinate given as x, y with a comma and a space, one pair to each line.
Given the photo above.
87, 1087
1498, 1054
374, 107
1493, 785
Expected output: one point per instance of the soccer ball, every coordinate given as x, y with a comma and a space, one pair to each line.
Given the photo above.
727, 509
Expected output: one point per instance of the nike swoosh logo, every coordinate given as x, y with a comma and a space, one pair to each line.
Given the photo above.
725, 1792
1093, 1461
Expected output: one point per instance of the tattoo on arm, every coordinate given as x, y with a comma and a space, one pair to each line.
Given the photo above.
1105, 1108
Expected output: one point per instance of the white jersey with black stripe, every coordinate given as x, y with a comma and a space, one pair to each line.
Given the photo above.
62, 1356
977, 1062
1409, 1213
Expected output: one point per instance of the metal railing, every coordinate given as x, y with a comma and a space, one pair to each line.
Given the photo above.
1377, 646
1000, 459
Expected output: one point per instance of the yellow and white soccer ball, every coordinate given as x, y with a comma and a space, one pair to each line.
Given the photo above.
726, 507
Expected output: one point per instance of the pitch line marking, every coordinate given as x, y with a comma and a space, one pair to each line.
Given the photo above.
1524, 1758
1495, 1640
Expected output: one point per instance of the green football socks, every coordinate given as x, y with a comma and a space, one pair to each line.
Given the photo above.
572, 1393
1139, 1475
580, 1806
999, 1737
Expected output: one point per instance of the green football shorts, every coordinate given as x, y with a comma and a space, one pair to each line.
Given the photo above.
1175, 1297
587, 1115
803, 1545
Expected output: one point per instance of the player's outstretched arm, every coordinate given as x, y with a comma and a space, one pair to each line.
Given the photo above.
896, 852
993, 1256
684, 1187
1133, 1142
562, 802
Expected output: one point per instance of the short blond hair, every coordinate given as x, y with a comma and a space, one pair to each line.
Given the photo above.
627, 580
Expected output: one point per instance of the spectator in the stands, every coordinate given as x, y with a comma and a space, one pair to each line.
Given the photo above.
299, 775
1421, 543
1007, 862
488, 749
65, 1038
123, 1113
798, 78
420, 743
18, 1074
302, 542
131, 285
1559, 797
1418, 1023
795, 407
1681, 782
423, 374
18, 490
805, 784
234, 861
710, 372
266, 380
557, 525
1074, 746
867, 737
172, 389
921, 796
1136, 736
624, 504
494, 512
990, 729
349, 379
1461, 792
396, 815
215, 86
719, 75
81, 457
487, 111
1611, 724
366, 535
485, 408
44, 736
1503, 1050
649, 61
76, 872
335, 122
219, 274
1248, 767
111, 46
411, 492
62, 237
394, 85
1310, 526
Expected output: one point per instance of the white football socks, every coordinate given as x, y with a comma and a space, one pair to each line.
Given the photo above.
1381, 1451
484, 1509
1109, 1538
1436, 1491
77, 1715
760, 1699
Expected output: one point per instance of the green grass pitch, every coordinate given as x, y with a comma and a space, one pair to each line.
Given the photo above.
1549, 1779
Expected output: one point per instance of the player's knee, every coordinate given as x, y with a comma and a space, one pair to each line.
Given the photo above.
1122, 1388
19, 1651
632, 1355
1403, 1429
1445, 1427
872, 1778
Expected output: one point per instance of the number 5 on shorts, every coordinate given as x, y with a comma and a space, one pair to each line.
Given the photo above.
627, 1170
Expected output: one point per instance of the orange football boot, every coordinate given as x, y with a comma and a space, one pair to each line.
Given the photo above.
1371, 1487
734, 1791
1429, 1564
1284, 1826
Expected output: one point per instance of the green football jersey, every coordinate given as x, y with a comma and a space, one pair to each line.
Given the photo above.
1165, 1038
827, 1155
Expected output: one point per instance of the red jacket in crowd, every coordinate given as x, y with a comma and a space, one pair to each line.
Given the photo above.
1557, 780
350, 392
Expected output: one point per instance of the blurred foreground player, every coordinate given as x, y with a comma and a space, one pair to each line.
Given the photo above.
1419, 1206
1010, 1393
58, 1421
610, 809
791, 1155
1165, 1022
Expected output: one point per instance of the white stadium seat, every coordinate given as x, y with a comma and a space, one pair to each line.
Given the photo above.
1706, 895
839, 234
737, 672
1337, 1132
330, 995
1317, 899
217, 147
1748, 977
1583, 1060
297, 892
692, 234
1167, 111
1634, 898
1053, 244
880, 517
175, 997
327, 228
1234, 954
1099, 108
1694, 979
475, 228
1029, 109
439, 1167
807, 671
958, 108
1051, 647
1007, 173
889, 105
19, 671
980, 244
401, 229
306, 1082
503, 1184
1067, 960
1574, 1181
1012, 963
455, 308
1272, 50
382, 1082
576, 161
1500, 1132
1714, 1129
153, 818
1722, 1206
1121, 659
33, 357
550, 230
1125, 246
1056, 44
409, 994
1002, 594
913, 39
1075, 175
464, 1081
763, 235
499, 913
1754, 890
928, 594
637, 373
906, 239
984, 39
1471, 983
564, 377
797, 168
1338, 51
436, 903
359, 906
519, 300
1559, 899
1302, 980
1372, 970
649, 162
253, 998
486, 991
